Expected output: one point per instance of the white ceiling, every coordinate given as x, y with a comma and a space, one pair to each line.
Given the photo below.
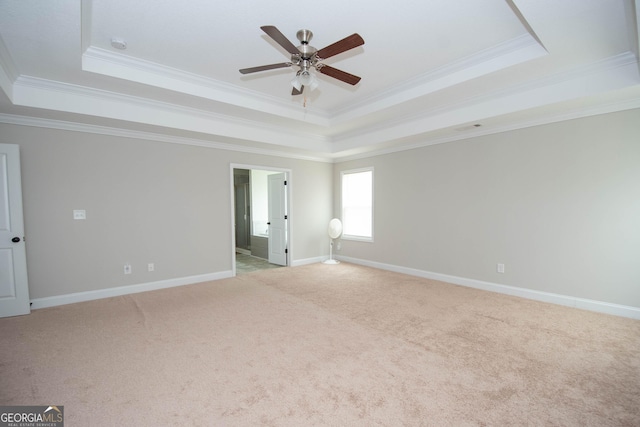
430, 70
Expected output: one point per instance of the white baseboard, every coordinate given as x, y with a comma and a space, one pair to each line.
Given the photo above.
569, 301
306, 261
37, 303
125, 290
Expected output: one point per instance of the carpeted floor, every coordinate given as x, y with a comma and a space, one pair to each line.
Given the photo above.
327, 345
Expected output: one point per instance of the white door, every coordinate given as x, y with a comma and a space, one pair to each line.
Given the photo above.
278, 219
14, 288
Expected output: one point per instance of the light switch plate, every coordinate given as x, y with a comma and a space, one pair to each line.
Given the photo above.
79, 214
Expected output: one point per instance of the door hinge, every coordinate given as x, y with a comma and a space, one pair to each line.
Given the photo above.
285, 183
285, 217
286, 251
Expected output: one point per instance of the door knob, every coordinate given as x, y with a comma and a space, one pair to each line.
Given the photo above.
15, 239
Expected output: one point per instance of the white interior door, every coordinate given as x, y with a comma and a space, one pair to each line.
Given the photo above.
14, 288
278, 219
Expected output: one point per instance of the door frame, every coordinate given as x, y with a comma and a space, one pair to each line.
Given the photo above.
289, 176
245, 191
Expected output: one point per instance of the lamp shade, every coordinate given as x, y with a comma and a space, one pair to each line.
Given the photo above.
305, 77
296, 83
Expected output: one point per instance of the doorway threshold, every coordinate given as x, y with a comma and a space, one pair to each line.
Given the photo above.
248, 264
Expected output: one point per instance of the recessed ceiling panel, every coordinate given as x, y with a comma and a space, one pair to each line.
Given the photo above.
215, 39
427, 68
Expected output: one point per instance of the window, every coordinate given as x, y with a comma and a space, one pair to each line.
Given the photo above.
357, 204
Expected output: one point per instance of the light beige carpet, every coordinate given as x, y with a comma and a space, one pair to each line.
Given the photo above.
328, 345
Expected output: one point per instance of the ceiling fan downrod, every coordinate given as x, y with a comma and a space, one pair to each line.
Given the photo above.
306, 58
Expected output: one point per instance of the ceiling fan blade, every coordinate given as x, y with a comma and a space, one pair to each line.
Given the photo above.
280, 38
265, 68
296, 91
354, 40
339, 74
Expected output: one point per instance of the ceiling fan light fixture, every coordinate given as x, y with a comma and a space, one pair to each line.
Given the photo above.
304, 78
313, 84
296, 83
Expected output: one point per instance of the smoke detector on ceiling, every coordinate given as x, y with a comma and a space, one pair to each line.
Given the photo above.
119, 44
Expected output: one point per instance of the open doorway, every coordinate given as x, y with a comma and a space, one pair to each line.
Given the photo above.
260, 218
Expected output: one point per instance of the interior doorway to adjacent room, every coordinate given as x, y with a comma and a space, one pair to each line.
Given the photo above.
260, 218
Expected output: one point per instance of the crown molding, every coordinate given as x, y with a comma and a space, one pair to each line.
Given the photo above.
111, 64
150, 136
612, 73
333, 151
105, 62
329, 158
520, 49
511, 52
40, 93
579, 113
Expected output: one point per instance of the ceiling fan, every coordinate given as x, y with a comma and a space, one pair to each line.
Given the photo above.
306, 57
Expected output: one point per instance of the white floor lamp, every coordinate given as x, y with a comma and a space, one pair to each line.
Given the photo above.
335, 231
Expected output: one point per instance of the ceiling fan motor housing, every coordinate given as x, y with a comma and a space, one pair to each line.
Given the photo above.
306, 50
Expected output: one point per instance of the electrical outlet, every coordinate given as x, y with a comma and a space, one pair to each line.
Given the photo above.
127, 269
500, 268
151, 267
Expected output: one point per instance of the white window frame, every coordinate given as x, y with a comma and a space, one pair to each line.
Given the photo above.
353, 171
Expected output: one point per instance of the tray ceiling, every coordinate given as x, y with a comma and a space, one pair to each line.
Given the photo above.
431, 71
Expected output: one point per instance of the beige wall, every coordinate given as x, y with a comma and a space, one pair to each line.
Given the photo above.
146, 202
558, 204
